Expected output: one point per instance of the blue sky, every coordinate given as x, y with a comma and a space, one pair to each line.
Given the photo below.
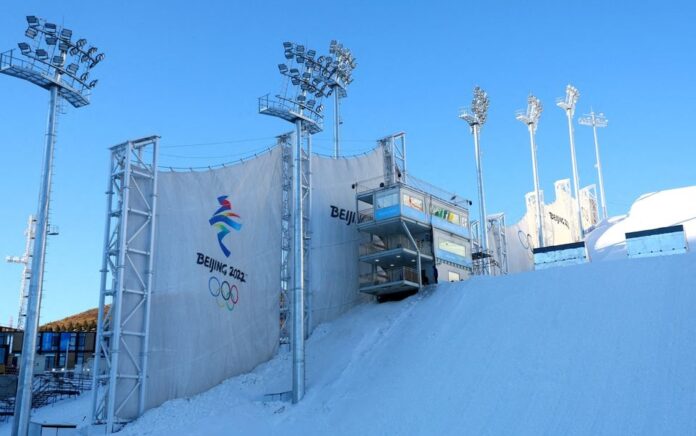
192, 73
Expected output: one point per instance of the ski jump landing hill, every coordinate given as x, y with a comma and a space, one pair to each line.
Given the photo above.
602, 348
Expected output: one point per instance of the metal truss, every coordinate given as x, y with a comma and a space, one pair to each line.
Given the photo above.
497, 224
307, 228
588, 202
25, 260
394, 147
285, 144
121, 355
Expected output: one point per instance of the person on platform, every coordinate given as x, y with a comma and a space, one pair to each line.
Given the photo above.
435, 273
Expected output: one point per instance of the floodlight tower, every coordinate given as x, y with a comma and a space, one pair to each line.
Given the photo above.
339, 70
310, 77
568, 105
597, 120
531, 119
51, 60
476, 118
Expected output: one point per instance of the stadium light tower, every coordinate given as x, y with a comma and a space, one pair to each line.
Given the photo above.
311, 80
51, 60
476, 118
531, 119
568, 105
597, 120
339, 71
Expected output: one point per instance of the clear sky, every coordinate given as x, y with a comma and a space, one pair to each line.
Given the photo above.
192, 72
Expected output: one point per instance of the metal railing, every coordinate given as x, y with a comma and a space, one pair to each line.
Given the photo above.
392, 242
289, 109
389, 275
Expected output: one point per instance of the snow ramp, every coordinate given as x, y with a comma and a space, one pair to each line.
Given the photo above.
604, 348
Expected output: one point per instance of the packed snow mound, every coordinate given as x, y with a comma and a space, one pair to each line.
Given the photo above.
658, 209
603, 348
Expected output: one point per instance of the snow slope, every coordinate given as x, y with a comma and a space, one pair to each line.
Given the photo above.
604, 348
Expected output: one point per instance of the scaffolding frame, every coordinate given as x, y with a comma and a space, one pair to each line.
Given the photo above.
121, 349
394, 147
497, 224
25, 260
285, 144
306, 183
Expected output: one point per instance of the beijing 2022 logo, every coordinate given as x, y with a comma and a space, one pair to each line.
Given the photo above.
223, 220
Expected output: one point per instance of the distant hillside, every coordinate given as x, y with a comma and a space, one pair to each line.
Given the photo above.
83, 321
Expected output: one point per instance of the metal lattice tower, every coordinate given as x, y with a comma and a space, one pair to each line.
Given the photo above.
307, 230
394, 148
25, 260
285, 143
121, 354
497, 224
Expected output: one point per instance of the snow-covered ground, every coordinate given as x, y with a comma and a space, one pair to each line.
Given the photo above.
602, 348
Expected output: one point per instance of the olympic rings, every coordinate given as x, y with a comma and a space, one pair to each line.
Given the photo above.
229, 293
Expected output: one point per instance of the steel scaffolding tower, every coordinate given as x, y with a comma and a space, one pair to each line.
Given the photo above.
285, 143
497, 225
306, 185
121, 351
394, 147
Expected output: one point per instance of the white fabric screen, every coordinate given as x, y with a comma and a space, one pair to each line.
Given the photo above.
214, 317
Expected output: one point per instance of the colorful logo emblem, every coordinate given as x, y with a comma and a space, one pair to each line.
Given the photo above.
223, 220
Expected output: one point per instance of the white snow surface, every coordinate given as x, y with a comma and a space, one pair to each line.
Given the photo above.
603, 348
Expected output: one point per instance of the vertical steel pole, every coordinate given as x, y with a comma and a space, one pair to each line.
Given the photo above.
337, 121
599, 167
483, 227
298, 368
20, 425
540, 217
576, 181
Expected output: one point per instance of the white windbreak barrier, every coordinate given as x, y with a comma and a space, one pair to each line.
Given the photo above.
215, 299
335, 238
216, 276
